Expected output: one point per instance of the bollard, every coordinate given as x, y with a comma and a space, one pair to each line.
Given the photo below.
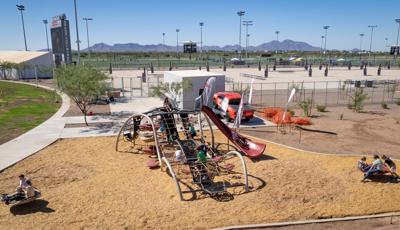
379, 70
326, 71
365, 70
259, 66
310, 71
266, 72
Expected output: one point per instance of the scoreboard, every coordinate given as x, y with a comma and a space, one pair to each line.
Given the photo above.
61, 40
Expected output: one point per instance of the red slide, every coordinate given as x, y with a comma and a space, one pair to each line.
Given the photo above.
247, 146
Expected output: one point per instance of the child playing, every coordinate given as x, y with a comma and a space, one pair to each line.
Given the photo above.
391, 165
363, 165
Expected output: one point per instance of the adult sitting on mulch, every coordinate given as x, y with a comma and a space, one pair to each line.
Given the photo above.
377, 167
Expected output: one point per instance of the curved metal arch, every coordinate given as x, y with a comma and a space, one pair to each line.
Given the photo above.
154, 134
211, 129
246, 179
171, 171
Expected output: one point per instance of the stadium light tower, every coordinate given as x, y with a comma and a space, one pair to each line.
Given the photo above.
163, 41
277, 35
247, 24
397, 40
87, 32
177, 41
326, 36
22, 8
240, 14
370, 43
361, 40
47, 36
322, 42
77, 33
201, 37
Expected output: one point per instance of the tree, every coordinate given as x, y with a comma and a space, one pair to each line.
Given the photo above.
82, 84
173, 90
357, 100
6, 68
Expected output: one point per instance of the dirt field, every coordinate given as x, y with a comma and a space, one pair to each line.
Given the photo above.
374, 130
86, 184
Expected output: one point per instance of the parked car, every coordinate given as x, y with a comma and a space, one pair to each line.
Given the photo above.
232, 106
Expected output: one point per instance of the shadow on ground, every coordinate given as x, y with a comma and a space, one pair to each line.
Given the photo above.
32, 207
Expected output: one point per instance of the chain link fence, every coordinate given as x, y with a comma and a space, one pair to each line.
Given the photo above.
328, 93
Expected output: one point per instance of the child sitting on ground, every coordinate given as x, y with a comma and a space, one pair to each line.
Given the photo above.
363, 165
391, 165
376, 167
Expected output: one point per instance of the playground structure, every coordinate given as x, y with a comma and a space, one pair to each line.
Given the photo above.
164, 130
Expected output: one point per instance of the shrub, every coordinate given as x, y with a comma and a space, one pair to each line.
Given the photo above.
321, 108
306, 106
291, 111
357, 100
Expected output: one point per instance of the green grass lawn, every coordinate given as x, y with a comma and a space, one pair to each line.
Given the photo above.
23, 107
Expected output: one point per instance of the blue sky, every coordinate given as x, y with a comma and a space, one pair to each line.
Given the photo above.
122, 21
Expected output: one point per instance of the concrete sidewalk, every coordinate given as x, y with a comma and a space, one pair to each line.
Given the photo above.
36, 139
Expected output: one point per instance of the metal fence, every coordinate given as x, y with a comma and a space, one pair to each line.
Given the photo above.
328, 93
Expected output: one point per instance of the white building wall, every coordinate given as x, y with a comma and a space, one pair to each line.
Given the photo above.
197, 83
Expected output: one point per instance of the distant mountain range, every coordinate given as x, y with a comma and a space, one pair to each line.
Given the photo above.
285, 45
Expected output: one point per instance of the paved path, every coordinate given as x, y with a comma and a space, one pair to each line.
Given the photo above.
36, 139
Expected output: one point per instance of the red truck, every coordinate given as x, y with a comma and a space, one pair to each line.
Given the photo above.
233, 105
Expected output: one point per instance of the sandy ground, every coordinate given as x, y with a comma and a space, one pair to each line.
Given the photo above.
87, 184
374, 130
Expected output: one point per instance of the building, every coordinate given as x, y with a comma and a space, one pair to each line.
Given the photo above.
195, 81
25, 64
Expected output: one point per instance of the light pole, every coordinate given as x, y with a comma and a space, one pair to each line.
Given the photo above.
277, 35
47, 36
163, 41
87, 32
22, 8
240, 14
247, 24
361, 40
201, 37
370, 43
177, 41
397, 40
77, 33
326, 36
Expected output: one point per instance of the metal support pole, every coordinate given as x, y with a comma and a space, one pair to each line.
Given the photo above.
77, 33
275, 95
130, 86
326, 94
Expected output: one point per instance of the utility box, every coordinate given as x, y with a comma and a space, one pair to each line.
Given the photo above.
193, 82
